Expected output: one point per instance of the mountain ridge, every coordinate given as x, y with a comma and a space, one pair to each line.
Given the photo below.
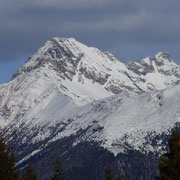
75, 61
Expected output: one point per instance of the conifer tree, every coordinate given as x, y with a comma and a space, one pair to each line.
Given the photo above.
29, 173
108, 173
169, 165
8, 170
58, 171
122, 176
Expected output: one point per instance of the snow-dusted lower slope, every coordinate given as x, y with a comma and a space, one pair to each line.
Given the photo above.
118, 123
67, 87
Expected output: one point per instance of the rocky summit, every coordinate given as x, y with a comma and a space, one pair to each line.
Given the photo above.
93, 108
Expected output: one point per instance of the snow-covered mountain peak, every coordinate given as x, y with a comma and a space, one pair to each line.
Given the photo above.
163, 56
67, 89
69, 54
85, 74
164, 62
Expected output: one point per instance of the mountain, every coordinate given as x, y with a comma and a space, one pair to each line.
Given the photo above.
92, 107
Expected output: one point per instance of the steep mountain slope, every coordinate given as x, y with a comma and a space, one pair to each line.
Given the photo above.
118, 123
71, 94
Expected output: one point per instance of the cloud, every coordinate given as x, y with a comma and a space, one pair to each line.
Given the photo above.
61, 4
107, 24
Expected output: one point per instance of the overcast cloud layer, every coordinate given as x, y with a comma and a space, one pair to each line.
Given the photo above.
128, 29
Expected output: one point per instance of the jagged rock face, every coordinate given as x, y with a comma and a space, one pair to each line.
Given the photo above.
67, 89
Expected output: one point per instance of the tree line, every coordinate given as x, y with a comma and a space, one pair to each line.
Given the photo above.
169, 164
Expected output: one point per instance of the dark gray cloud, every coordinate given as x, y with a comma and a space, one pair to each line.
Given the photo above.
129, 29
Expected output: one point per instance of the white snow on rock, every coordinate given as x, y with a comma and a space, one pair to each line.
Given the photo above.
69, 87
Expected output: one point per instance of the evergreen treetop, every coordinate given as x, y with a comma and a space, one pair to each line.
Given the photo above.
8, 170
108, 173
29, 173
58, 171
169, 165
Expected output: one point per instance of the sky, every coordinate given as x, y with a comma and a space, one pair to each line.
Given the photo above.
130, 30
